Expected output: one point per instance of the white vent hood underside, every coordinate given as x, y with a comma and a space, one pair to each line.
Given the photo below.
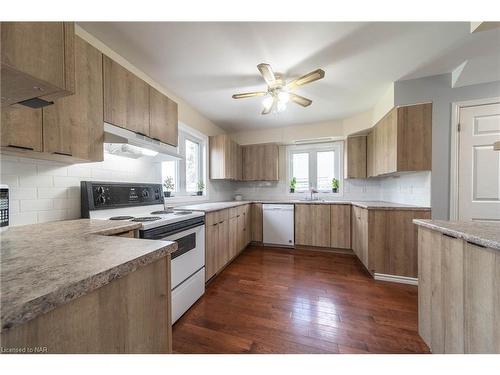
115, 136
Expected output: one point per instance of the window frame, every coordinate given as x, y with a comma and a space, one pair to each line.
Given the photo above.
180, 192
313, 148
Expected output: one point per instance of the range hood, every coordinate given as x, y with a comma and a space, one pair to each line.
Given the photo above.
123, 142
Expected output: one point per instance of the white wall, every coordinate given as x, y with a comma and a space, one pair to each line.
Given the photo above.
438, 90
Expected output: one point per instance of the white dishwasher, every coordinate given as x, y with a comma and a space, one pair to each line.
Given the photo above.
278, 224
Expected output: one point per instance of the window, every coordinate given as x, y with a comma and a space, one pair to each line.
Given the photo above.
188, 172
315, 165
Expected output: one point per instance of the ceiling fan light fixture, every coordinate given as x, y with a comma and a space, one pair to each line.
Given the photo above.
284, 97
268, 102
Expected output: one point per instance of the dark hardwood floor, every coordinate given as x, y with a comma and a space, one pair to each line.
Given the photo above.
272, 300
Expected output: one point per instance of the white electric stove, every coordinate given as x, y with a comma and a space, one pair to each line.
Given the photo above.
143, 203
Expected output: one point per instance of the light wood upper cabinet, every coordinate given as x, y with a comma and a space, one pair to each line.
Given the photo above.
401, 141
340, 226
312, 225
355, 157
260, 162
73, 126
225, 158
21, 128
126, 98
37, 60
163, 118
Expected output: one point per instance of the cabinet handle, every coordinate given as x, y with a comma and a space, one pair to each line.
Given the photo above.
62, 153
476, 244
214, 224
449, 235
237, 215
220, 222
156, 139
144, 135
22, 147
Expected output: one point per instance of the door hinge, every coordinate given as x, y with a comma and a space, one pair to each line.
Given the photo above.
458, 127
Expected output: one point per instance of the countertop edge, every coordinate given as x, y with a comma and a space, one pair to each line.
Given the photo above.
361, 204
68, 293
459, 234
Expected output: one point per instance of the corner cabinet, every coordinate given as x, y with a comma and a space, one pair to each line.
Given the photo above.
37, 60
260, 162
225, 158
401, 141
355, 157
71, 129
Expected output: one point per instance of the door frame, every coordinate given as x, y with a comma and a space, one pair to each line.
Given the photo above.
455, 147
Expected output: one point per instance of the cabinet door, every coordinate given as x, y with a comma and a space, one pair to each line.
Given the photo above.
22, 128
370, 155
360, 234
74, 125
37, 60
241, 230
126, 98
312, 225
223, 250
340, 231
233, 237
260, 162
247, 230
482, 300
256, 222
211, 244
355, 157
163, 118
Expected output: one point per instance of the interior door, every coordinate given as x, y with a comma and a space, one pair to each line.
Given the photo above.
479, 163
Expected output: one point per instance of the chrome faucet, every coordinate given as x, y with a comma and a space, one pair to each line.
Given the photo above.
312, 191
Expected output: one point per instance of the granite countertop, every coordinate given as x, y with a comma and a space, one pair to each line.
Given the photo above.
46, 265
380, 205
480, 233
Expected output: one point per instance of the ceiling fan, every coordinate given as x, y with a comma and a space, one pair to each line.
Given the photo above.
279, 92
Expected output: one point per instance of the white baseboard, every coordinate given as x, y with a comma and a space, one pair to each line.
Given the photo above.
396, 279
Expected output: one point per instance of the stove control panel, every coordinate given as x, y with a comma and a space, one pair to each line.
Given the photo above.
106, 195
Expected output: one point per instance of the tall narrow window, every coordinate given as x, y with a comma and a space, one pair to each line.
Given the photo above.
300, 170
325, 169
192, 165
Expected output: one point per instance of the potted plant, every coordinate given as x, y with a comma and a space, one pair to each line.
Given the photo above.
200, 186
293, 182
335, 185
168, 184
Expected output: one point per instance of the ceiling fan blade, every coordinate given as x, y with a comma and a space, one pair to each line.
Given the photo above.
249, 94
267, 73
308, 78
269, 108
304, 102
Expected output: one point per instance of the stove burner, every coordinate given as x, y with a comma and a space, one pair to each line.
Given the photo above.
121, 218
162, 212
146, 218
183, 212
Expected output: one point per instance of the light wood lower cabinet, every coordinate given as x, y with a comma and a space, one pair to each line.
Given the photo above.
458, 301
340, 226
131, 314
312, 225
256, 222
386, 240
227, 233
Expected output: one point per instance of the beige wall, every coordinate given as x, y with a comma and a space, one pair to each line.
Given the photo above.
289, 134
187, 114
383, 105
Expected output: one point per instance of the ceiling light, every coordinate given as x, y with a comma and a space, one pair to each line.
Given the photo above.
268, 102
281, 106
284, 97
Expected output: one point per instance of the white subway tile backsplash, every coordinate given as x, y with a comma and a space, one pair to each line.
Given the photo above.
36, 205
78, 171
17, 168
52, 169
64, 181
13, 206
10, 180
22, 193
52, 193
52, 215
36, 181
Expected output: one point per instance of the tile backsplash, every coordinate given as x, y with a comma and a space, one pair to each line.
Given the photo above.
42, 191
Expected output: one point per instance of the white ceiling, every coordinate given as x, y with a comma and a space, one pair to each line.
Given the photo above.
205, 63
